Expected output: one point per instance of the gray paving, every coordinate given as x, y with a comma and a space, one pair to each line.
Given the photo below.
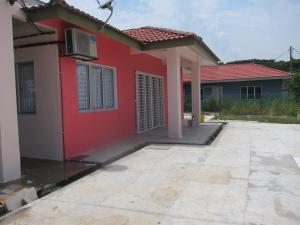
247, 176
191, 136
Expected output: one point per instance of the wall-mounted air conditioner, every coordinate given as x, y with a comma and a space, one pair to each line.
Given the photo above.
80, 44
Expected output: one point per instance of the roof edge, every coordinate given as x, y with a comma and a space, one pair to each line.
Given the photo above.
288, 73
265, 67
246, 79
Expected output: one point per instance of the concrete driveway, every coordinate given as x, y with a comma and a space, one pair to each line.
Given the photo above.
247, 176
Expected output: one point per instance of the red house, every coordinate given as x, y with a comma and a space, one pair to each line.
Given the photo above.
69, 87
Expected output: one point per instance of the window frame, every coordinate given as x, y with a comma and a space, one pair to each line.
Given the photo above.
18, 91
261, 92
101, 66
254, 94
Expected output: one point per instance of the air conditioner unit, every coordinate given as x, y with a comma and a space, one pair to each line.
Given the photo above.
80, 44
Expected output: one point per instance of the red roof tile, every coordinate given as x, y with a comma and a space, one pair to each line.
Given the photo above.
238, 72
155, 34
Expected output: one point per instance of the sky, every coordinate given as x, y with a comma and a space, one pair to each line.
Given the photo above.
233, 29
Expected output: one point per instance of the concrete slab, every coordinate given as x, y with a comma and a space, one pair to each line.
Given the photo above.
44, 175
202, 135
234, 181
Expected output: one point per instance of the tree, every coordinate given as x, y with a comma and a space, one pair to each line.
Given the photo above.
294, 85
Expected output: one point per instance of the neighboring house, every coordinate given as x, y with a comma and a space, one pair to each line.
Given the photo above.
239, 81
66, 91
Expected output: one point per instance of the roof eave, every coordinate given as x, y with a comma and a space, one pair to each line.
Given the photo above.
201, 43
179, 43
58, 11
167, 44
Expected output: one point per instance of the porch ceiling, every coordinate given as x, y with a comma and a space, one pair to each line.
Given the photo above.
24, 28
188, 55
26, 33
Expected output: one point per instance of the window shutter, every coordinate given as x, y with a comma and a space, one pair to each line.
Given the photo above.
148, 99
150, 102
140, 101
155, 101
161, 89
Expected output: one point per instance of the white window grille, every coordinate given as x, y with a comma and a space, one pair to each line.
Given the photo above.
108, 88
83, 87
96, 87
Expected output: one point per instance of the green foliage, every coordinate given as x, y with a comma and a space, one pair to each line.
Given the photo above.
187, 107
294, 86
279, 65
211, 105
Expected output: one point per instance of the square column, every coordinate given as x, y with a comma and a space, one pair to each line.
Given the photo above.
10, 168
196, 92
174, 94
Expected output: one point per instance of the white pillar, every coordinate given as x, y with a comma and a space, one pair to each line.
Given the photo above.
9, 139
174, 94
196, 87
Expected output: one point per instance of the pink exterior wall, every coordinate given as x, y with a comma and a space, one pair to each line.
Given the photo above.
84, 131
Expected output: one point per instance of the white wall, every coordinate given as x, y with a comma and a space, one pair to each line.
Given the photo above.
9, 143
41, 134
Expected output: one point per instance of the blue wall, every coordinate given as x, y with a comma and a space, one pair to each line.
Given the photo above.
231, 90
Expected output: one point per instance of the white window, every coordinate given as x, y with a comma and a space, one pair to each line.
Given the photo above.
251, 92
108, 88
96, 87
83, 87
25, 88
